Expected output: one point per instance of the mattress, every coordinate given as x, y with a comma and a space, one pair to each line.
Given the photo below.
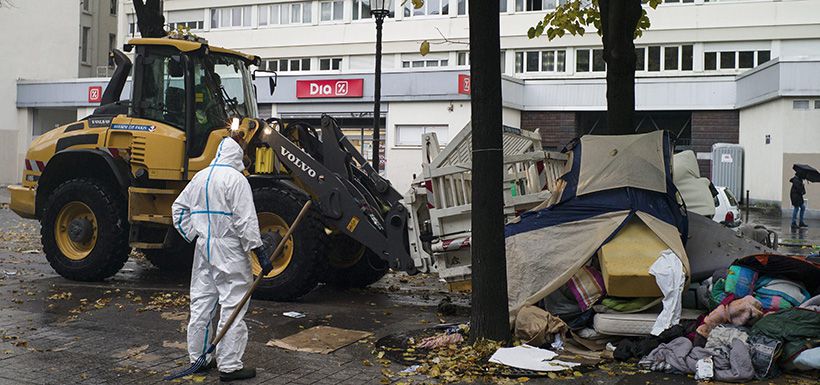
633, 324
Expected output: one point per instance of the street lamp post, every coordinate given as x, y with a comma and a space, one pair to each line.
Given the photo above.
379, 9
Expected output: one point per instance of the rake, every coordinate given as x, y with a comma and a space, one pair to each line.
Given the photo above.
200, 362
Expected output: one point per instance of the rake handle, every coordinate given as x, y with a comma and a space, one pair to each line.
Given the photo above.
273, 256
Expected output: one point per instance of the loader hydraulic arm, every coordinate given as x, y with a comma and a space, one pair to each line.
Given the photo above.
343, 206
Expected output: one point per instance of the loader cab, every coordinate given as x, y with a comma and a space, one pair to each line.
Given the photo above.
192, 87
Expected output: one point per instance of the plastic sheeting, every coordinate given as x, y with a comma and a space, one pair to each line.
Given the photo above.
694, 189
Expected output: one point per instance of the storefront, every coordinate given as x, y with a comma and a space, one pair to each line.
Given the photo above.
698, 110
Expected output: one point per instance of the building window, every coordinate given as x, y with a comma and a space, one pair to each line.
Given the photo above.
86, 5
287, 65
667, 58
231, 17
800, 104
536, 5
640, 59
670, 58
763, 56
410, 134
817, 104
430, 8
361, 9
583, 60
84, 45
654, 58
424, 63
113, 7
540, 61
112, 43
462, 59
330, 64
285, 13
735, 59
710, 61
464, 5
727, 60
686, 57
503, 62
191, 25
598, 63
332, 10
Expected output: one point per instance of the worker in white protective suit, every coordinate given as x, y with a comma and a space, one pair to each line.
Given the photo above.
216, 208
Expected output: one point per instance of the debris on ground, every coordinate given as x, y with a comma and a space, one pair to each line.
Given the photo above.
162, 301
293, 314
531, 358
319, 339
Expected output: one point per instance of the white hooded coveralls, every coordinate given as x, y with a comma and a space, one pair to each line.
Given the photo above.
217, 209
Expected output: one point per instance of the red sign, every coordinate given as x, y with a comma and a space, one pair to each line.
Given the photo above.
464, 84
331, 88
94, 94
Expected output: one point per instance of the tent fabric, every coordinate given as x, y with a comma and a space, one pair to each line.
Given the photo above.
540, 261
605, 158
693, 188
547, 246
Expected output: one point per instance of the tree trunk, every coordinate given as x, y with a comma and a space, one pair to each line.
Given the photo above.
619, 18
490, 316
150, 21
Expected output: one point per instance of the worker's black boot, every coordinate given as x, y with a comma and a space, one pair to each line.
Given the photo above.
803, 224
241, 374
207, 367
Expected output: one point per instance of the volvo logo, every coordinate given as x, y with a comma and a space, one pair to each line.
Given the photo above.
298, 162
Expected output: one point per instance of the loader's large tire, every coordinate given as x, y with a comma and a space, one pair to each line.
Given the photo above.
351, 264
85, 230
176, 259
301, 264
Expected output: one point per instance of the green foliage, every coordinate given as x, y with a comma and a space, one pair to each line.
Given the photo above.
575, 16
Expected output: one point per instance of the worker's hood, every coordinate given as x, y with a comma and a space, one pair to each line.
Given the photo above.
229, 154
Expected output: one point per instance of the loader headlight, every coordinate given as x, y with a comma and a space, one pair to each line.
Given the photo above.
267, 130
235, 124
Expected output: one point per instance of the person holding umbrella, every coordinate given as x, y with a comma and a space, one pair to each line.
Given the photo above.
796, 193
802, 172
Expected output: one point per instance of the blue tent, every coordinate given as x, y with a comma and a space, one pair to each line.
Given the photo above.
609, 181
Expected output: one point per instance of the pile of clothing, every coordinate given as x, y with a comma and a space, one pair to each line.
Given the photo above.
765, 317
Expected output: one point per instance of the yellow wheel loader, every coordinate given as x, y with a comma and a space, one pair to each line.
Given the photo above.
104, 185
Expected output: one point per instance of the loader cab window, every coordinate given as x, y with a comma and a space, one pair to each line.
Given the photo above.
160, 88
222, 89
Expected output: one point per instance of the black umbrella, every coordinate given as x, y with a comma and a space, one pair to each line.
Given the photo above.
807, 172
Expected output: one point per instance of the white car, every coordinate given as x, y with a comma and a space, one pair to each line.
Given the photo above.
726, 208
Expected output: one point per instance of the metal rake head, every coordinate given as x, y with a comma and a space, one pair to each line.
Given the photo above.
200, 362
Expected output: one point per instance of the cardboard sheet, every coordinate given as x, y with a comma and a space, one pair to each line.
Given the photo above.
319, 339
530, 358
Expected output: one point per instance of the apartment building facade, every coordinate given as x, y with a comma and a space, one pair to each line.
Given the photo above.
48, 40
700, 73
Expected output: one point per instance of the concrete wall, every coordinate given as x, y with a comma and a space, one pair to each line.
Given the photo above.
41, 41
790, 132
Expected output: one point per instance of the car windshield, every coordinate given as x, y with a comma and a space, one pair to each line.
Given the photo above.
228, 76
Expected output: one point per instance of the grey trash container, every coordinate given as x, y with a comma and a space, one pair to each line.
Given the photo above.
727, 167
